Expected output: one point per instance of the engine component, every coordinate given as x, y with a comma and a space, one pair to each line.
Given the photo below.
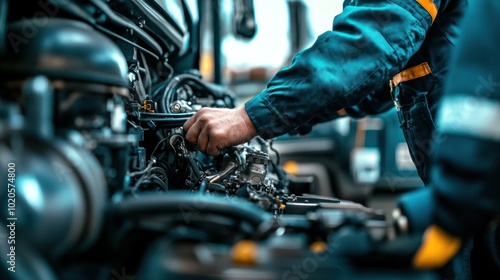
187, 92
63, 49
257, 163
60, 189
89, 77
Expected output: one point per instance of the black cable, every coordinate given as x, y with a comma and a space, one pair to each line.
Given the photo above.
263, 144
155, 179
111, 33
148, 81
194, 167
277, 169
279, 173
165, 122
116, 19
178, 201
168, 94
138, 183
147, 177
276, 152
165, 24
145, 170
157, 145
166, 115
160, 170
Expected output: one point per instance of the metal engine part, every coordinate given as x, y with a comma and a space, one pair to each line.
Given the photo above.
60, 188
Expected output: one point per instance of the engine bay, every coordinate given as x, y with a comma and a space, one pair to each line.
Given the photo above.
93, 96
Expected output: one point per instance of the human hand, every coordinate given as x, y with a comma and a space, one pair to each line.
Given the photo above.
213, 129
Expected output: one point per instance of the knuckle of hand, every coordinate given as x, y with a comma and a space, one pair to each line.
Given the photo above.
218, 134
204, 111
213, 127
191, 137
204, 118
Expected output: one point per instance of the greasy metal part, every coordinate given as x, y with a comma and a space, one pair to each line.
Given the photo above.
257, 167
230, 167
180, 106
39, 107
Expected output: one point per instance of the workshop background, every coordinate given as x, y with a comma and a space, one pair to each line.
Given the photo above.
100, 181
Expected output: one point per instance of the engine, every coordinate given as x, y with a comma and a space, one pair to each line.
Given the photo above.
125, 114
93, 96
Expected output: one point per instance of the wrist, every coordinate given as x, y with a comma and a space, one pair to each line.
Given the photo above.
249, 126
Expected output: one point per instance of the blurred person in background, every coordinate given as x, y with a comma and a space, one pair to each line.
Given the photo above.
463, 199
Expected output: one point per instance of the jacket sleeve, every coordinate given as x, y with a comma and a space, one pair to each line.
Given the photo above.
373, 104
369, 43
466, 174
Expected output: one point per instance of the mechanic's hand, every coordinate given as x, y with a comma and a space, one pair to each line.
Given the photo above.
213, 129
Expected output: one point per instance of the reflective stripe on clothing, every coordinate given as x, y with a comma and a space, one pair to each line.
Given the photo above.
468, 115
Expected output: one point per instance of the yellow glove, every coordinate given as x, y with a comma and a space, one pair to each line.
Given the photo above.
438, 248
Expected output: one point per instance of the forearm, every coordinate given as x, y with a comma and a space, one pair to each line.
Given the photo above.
359, 55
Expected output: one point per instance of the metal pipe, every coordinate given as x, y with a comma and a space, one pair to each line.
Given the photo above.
38, 96
216, 41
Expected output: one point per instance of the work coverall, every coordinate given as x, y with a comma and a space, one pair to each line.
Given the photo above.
348, 71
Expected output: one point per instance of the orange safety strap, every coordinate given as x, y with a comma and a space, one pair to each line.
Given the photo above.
342, 112
430, 7
411, 73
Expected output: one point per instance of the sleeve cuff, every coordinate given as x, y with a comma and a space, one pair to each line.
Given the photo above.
266, 122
